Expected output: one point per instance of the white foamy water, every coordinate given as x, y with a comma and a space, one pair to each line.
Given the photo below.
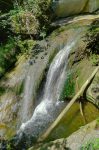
50, 106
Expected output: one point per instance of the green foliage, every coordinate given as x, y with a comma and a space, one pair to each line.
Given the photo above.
40, 9
93, 42
94, 59
17, 24
19, 89
69, 88
8, 53
4, 27
24, 22
9, 147
91, 145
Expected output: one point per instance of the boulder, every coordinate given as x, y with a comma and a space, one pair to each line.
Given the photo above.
91, 6
63, 8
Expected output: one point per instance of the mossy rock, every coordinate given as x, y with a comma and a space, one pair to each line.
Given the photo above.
69, 88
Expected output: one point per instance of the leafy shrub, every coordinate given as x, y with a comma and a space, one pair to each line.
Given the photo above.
4, 27
92, 48
23, 22
8, 55
41, 9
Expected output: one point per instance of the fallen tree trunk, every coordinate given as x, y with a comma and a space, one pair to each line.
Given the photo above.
55, 123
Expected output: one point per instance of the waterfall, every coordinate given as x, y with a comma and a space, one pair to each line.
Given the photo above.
48, 109
25, 113
56, 75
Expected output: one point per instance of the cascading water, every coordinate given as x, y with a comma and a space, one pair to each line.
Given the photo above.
48, 109
27, 98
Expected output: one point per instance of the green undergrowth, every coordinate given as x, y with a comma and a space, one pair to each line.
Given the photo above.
26, 45
69, 88
91, 145
94, 59
11, 49
7, 50
92, 48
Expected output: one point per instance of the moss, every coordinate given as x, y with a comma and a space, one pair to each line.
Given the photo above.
72, 26
69, 88
10, 131
19, 88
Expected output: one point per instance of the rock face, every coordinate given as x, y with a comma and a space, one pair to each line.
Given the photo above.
87, 136
93, 91
65, 8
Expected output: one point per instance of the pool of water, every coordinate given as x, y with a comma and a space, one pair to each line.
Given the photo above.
73, 120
